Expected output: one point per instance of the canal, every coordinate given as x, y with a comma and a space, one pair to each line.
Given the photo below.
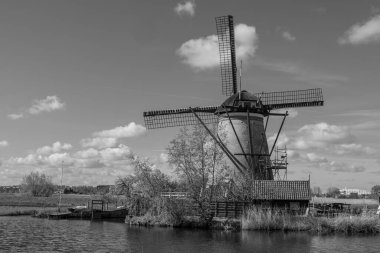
26, 234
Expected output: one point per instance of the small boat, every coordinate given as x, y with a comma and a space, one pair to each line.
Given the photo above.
76, 209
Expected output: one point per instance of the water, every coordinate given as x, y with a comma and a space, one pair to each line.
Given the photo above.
26, 234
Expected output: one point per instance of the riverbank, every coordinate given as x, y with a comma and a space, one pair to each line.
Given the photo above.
267, 221
22, 199
274, 220
25, 210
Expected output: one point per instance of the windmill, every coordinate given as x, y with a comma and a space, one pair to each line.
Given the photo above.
241, 116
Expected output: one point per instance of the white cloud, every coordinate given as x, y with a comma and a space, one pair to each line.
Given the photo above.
246, 41
354, 149
122, 152
320, 135
333, 139
315, 158
362, 33
54, 148
50, 103
88, 153
3, 143
99, 142
203, 53
15, 116
286, 35
110, 138
200, 53
344, 167
130, 130
300, 72
185, 8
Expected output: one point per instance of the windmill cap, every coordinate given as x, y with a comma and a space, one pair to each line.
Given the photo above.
240, 102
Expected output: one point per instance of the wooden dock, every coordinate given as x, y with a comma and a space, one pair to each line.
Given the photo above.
96, 212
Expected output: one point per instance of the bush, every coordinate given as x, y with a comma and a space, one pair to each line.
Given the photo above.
38, 185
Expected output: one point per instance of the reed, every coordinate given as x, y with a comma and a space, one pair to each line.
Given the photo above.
259, 219
273, 219
23, 210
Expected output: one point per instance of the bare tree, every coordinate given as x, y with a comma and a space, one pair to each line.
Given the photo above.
199, 163
37, 184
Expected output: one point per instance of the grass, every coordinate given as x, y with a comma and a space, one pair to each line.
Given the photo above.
257, 219
355, 202
22, 199
23, 210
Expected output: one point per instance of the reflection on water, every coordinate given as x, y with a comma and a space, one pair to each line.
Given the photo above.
25, 234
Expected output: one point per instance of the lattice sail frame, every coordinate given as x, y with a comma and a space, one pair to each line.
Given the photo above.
180, 117
270, 100
226, 39
291, 99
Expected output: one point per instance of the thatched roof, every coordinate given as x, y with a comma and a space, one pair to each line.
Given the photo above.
281, 190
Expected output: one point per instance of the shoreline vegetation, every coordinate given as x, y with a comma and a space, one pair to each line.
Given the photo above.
259, 220
252, 219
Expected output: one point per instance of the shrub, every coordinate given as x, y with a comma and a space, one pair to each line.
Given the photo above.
37, 184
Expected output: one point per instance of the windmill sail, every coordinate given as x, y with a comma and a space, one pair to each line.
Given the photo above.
226, 39
179, 117
290, 99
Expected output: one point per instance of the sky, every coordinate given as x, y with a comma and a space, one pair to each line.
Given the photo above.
76, 77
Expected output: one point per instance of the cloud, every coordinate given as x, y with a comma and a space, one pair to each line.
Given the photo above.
321, 162
315, 158
203, 53
130, 130
15, 116
122, 152
322, 134
185, 8
54, 148
110, 138
287, 36
300, 72
99, 142
3, 143
362, 33
344, 167
323, 137
88, 153
354, 149
50, 103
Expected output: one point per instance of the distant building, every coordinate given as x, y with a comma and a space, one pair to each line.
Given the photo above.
347, 192
10, 189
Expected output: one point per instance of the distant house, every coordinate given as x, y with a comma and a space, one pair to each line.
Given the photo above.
348, 192
10, 189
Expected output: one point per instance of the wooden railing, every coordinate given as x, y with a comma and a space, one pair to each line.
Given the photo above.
174, 195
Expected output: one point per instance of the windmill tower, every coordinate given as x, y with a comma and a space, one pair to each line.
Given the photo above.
240, 117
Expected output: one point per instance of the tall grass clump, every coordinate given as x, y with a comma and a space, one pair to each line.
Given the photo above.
257, 218
272, 219
349, 225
